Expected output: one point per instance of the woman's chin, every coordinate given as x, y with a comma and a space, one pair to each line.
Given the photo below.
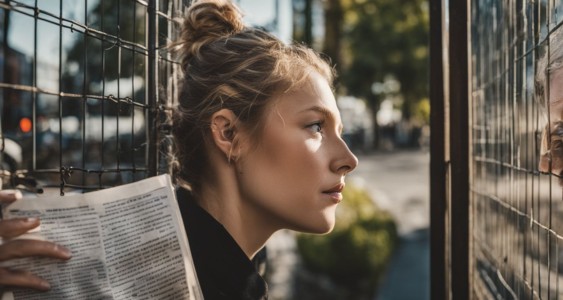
324, 227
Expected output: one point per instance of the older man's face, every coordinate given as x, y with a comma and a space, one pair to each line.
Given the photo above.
552, 140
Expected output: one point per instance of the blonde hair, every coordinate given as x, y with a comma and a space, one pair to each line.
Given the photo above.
228, 65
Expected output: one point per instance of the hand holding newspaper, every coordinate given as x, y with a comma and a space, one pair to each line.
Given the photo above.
127, 242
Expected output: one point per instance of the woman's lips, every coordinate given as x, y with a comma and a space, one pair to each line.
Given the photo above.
334, 196
335, 193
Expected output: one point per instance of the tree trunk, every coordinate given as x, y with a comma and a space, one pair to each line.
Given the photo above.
333, 31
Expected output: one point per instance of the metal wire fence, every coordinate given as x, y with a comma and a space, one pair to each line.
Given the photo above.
516, 209
85, 90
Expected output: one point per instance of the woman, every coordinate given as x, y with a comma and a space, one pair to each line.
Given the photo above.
259, 148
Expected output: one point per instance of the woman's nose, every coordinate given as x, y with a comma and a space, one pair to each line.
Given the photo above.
345, 161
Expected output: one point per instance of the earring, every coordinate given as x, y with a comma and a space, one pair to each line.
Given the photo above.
229, 155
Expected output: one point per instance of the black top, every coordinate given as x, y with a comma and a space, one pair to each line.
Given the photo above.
223, 269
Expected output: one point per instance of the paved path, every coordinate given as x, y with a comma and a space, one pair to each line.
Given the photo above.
399, 183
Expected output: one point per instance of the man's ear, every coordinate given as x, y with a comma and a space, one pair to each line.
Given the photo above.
224, 131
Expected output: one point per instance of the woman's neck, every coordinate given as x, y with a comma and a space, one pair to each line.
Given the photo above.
244, 222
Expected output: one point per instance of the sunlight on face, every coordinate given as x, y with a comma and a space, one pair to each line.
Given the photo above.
294, 177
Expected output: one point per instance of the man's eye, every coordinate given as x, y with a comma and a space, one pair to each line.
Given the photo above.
557, 130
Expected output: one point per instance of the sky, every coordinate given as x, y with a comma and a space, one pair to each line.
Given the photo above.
21, 32
20, 37
261, 12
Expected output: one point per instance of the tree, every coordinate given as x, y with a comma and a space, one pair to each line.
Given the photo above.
334, 15
93, 59
386, 37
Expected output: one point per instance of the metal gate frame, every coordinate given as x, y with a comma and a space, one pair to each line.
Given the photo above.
477, 75
449, 157
157, 102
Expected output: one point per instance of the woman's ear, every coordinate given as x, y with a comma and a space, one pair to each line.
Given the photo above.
224, 131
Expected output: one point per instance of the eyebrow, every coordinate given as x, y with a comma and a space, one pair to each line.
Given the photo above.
326, 113
556, 101
323, 110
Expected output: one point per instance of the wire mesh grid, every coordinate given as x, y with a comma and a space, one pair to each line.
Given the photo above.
85, 90
516, 197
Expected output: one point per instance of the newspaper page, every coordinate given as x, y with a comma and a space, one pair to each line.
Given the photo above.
127, 242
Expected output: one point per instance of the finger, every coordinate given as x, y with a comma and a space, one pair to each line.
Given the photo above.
15, 227
9, 196
26, 248
23, 279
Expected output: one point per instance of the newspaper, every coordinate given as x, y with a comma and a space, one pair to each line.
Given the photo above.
127, 242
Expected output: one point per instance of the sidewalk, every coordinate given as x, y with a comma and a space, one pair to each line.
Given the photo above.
399, 182
409, 270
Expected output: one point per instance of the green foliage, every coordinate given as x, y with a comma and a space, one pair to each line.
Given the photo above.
421, 111
122, 20
119, 52
386, 37
356, 253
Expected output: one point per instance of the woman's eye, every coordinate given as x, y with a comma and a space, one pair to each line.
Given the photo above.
316, 127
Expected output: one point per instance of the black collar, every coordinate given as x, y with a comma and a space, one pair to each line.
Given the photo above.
223, 269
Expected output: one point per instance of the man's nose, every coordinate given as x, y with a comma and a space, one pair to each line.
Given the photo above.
551, 161
545, 161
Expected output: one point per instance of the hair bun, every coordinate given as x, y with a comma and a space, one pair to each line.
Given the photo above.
205, 22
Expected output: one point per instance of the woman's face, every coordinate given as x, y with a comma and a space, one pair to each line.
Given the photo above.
293, 178
552, 139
